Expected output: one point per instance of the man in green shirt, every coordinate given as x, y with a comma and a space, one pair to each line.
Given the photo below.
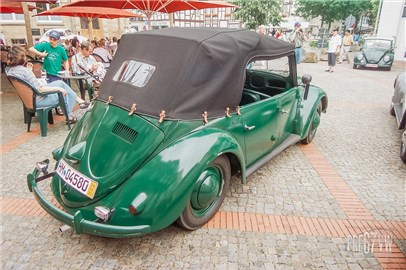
54, 55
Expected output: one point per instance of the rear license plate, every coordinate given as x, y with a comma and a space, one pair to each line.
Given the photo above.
76, 180
372, 65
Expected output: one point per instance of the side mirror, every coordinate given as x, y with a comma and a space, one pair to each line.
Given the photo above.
306, 79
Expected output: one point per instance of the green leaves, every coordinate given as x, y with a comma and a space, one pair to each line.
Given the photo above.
256, 12
331, 10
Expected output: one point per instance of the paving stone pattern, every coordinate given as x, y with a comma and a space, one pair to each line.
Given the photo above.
296, 212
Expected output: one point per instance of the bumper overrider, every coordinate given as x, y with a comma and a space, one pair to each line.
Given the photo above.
76, 221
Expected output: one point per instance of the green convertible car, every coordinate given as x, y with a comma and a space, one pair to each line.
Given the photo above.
180, 111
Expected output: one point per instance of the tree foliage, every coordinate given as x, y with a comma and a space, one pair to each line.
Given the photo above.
256, 12
374, 11
332, 10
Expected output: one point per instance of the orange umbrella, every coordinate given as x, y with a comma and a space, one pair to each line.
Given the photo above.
14, 7
149, 7
90, 13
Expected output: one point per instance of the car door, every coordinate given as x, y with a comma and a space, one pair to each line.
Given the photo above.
287, 106
260, 128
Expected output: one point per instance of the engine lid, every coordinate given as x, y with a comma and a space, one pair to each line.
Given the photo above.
374, 55
106, 147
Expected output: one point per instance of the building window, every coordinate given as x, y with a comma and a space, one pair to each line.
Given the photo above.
11, 17
84, 24
44, 6
18, 41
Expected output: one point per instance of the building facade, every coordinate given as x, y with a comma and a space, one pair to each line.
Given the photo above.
392, 20
13, 26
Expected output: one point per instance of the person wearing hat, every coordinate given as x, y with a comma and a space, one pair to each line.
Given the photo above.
297, 39
54, 55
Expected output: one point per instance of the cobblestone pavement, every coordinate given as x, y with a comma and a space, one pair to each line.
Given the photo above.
296, 212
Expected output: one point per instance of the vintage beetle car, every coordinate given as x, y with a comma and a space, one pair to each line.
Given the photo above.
178, 114
376, 52
398, 109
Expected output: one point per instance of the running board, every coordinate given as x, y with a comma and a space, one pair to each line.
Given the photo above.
292, 139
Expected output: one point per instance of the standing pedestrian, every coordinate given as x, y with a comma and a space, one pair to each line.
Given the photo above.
113, 46
297, 39
263, 63
333, 49
345, 49
54, 55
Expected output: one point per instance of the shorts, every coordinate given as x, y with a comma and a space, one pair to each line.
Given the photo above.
332, 59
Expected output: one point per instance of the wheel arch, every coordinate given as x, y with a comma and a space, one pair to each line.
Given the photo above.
236, 168
324, 103
169, 177
309, 106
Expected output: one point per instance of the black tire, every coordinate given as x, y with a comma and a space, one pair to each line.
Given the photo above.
354, 66
312, 130
392, 110
403, 150
196, 214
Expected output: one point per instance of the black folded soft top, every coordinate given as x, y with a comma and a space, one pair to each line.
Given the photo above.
196, 69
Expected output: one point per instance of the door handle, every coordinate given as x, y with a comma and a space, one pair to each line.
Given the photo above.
284, 111
248, 128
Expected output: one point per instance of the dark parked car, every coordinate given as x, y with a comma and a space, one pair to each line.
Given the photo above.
376, 52
398, 109
178, 114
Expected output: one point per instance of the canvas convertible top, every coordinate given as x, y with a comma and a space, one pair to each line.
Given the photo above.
189, 70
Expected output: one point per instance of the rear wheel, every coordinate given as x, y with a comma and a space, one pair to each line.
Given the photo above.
208, 194
315, 121
403, 147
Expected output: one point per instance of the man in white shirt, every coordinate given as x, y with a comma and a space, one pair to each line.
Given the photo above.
88, 63
333, 49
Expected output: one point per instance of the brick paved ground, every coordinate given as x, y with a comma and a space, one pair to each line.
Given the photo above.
296, 212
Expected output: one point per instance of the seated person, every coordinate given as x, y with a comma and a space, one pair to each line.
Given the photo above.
84, 60
17, 60
103, 53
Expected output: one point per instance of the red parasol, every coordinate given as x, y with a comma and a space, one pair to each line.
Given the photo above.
89, 13
149, 7
32, 1
14, 7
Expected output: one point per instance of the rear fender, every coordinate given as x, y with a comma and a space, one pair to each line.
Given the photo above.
168, 178
308, 108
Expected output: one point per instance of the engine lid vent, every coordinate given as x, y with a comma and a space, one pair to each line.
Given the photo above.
125, 132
